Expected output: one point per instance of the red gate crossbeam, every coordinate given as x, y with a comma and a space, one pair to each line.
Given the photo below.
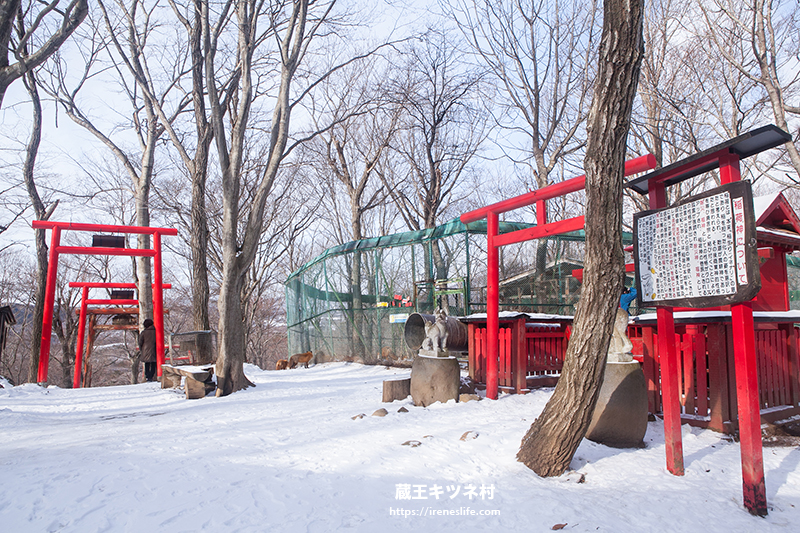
56, 250
77, 382
542, 229
98, 250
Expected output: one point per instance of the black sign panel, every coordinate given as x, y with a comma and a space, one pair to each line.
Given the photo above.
701, 252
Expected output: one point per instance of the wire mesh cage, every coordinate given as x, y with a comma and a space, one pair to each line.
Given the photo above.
192, 348
350, 303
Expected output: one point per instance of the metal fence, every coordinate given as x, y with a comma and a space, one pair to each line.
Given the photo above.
350, 302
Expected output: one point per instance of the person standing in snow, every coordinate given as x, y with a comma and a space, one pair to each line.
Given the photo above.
147, 347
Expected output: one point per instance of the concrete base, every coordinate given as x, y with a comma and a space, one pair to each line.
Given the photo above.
434, 379
620, 417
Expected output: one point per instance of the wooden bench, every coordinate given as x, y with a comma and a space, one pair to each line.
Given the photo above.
198, 379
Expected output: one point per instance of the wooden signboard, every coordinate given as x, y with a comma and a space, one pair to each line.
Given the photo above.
701, 252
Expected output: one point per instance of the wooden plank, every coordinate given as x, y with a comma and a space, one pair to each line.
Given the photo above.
648, 367
794, 362
471, 352
502, 357
196, 389
520, 365
717, 377
784, 367
731, 388
763, 372
688, 370
480, 363
702, 373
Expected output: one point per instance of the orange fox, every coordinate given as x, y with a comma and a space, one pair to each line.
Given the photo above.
282, 364
300, 358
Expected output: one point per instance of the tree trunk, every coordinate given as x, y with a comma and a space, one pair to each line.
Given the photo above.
135, 365
199, 244
550, 443
42, 259
232, 346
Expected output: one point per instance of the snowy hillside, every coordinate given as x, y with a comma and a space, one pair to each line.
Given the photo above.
288, 456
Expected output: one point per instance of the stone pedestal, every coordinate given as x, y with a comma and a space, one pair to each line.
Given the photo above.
434, 379
620, 417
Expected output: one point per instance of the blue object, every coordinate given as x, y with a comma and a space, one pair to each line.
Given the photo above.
626, 299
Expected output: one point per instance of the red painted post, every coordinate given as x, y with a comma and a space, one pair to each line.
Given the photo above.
158, 302
77, 382
729, 169
755, 494
668, 358
492, 305
541, 213
670, 395
49, 301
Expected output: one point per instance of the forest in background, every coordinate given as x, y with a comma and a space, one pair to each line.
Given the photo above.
267, 132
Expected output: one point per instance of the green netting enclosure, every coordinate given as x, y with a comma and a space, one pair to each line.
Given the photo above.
350, 302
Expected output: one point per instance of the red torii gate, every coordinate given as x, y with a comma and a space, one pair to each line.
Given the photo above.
541, 230
725, 157
85, 303
56, 249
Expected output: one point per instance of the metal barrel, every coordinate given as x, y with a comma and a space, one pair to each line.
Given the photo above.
414, 332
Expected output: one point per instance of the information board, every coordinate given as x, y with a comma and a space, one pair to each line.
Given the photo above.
701, 252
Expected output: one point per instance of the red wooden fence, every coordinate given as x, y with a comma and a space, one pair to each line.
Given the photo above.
708, 379
705, 353
539, 352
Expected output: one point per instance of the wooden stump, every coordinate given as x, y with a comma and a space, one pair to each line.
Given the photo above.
434, 379
198, 389
396, 389
170, 381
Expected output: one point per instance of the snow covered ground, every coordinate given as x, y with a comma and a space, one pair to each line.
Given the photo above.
287, 456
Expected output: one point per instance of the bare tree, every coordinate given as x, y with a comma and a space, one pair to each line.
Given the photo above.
37, 17
760, 39
541, 54
550, 443
290, 27
190, 16
126, 36
41, 211
346, 158
443, 125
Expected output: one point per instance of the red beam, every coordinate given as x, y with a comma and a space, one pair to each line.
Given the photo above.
112, 302
98, 250
634, 166
98, 285
539, 232
684, 169
73, 226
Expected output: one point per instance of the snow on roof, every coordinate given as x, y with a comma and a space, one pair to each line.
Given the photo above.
762, 203
509, 315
